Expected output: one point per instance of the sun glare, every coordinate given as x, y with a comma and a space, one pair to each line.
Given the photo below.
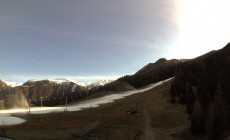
204, 26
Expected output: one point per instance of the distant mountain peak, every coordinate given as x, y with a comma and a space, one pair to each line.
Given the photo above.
161, 60
227, 47
13, 84
159, 63
100, 83
32, 80
60, 80
9, 84
65, 80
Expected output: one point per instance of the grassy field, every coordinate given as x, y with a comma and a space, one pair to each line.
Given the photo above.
69, 133
156, 118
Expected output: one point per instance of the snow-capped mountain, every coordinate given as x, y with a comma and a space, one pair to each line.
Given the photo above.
13, 84
52, 89
101, 83
60, 80
10, 84
87, 84
64, 80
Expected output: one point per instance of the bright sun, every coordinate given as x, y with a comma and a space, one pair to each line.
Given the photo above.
204, 26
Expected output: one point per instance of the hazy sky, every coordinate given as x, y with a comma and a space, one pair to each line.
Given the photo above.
88, 40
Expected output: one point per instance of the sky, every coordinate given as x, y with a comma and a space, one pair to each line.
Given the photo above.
89, 40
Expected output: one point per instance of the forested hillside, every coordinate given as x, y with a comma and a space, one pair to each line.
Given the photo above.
153, 72
203, 85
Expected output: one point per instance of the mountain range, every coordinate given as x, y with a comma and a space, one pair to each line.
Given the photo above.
53, 91
56, 91
201, 84
58, 81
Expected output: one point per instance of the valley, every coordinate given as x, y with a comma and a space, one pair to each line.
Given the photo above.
156, 118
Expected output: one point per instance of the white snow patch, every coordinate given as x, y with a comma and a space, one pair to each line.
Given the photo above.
7, 119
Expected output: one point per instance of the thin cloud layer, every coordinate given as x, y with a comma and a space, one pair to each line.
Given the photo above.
84, 37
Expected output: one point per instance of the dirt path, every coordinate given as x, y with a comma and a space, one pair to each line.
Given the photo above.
153, 101
148, 132
151, 107
188, 124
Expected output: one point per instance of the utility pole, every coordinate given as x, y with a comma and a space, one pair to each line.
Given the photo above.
65, 103
91, 103
87, 92
2, 101
109, 97
187, 87
29, 106
41, 100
